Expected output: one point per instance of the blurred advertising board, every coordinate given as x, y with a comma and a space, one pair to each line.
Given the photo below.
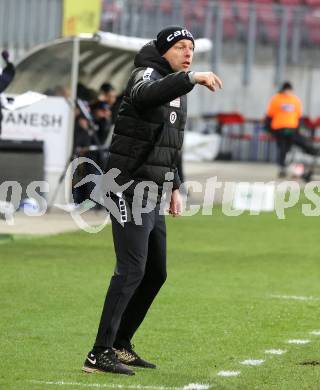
45, 121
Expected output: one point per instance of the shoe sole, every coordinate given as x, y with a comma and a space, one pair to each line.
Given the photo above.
91, 370
134, 365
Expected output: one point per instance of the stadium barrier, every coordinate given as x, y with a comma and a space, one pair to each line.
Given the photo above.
245, 139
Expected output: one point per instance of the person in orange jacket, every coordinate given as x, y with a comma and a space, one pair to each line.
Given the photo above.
283, 121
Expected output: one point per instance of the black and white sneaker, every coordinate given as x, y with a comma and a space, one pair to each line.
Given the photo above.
131, 358
106, 361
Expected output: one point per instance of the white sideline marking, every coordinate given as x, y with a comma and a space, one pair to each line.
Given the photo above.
228, 373
190, 386
295, 297
275, 351
315, 332
252, 362
296, 341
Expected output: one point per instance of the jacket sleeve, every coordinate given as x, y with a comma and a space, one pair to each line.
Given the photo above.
176, 180
147, 92
7, 76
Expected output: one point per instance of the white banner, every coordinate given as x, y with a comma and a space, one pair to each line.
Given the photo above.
200, 147
45, 121
255, 197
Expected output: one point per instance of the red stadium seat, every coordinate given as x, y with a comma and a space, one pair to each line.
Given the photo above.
166, 6
199, 13
148, 5
229, 29
265, 13
262, 2
242, 11
312, 27
264, 137
268, 23
229, 26
312, 3
316, 122
231, 118
314, 36
291, 2
308, 122
272, 31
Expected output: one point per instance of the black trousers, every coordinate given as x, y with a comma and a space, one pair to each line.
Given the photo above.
286, 138
139, 274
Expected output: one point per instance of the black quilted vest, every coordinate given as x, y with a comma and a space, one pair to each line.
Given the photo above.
148, 138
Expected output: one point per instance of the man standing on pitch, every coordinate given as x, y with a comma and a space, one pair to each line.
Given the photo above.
146, 144
283, 121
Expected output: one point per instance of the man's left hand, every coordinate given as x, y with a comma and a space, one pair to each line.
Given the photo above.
175, 208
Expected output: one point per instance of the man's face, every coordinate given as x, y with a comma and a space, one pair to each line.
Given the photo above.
180, 55
109, 97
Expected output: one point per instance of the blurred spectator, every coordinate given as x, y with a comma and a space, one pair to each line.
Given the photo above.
82, 135
101, 114
6, 76
86, 94
108, 95
82, 143
91, 131
283, 120
92, 126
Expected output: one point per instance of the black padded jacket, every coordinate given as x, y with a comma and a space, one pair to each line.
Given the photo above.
149, 129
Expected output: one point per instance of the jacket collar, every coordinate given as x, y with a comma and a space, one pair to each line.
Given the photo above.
149, 56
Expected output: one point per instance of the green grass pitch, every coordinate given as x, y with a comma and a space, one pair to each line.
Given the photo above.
214, 311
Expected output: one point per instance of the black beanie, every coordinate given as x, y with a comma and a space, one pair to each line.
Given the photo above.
170, 35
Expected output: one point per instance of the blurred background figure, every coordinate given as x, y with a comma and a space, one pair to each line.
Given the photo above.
108, 95
86, 94
102, 118
92, 133
283, 120
6, 76
82, 143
